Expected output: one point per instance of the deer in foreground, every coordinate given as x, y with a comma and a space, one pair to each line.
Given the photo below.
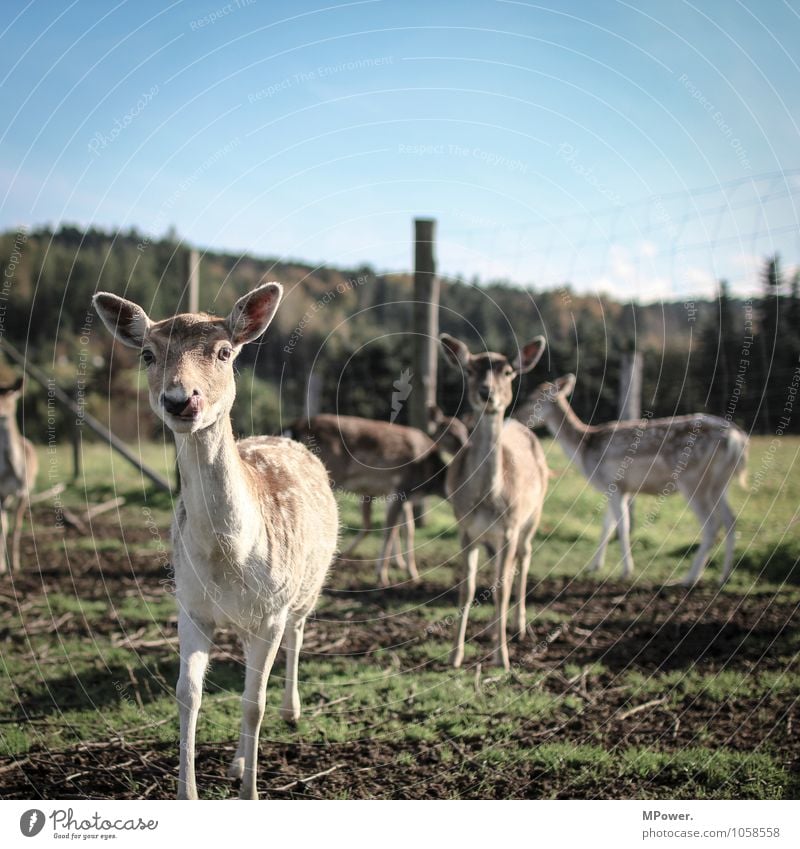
18, 468
382, 460
496, 485
256, 524
695, 455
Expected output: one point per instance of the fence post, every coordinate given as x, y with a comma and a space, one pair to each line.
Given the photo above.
193, 280
426, 331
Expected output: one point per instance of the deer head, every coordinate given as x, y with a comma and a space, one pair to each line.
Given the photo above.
547, 395
9, 395
490, 376
189, 358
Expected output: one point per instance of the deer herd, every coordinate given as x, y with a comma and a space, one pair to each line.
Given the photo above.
256, 525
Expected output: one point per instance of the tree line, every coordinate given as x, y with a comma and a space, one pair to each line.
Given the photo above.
352, 330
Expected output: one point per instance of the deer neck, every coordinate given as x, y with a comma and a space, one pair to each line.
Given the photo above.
486, 456
568, 430
216, 486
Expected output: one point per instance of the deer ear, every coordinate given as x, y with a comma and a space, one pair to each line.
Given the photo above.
564, 385
126, 321
455, 351
251, 315
529, 355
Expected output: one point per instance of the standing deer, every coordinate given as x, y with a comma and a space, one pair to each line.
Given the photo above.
18, 468
496, 485
256, 525
695, 455
377, 459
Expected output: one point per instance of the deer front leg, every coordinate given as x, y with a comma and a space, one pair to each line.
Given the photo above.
195, 641
504, 576
259, 656
408, 512
4, 558
390, 538
366, 519
523, 563
605, 536
16, 536
466, 595
619, 505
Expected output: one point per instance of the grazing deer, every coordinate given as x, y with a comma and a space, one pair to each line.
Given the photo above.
18, 468
496, 485
377, 459
255, 527
695, 455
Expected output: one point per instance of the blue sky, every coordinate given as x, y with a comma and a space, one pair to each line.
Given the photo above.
564, 141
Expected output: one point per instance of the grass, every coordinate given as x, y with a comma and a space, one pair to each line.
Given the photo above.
88, 650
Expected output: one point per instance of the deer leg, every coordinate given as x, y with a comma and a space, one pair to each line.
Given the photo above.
523, 564
366, 516
729, 524
609, 524
259, 657
466, 595
195, 641
709, 525
292, 644
390, 538
504, 576
619, 504
4, 533
17, 534
408, 511
397, 544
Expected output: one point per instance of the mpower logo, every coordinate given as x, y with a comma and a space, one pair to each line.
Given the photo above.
31, 822
64, 823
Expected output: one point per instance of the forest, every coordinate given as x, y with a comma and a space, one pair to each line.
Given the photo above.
351, 329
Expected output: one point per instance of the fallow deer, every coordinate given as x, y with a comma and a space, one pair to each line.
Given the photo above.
18, 468
496, 485
696, 455
256, 525
382, 460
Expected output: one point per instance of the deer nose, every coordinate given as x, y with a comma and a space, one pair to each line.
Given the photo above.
175, 400
485, 393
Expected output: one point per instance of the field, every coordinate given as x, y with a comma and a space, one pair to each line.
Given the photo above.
621, 690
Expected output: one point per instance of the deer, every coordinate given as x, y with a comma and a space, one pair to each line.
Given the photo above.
696, 455
382, 460
255, 526
496, 485
18, 468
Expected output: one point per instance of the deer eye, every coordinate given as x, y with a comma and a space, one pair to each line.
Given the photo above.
148, 357
224, 354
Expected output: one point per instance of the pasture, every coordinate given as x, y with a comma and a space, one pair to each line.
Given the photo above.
633, 689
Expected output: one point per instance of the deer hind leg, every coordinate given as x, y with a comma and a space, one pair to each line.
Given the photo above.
706, 511
408, 512
729, 524
259, 656
466, 595
504, 578
292, 645
609, 524
366, 519
397, 547
195, 641
523, 565
17, 533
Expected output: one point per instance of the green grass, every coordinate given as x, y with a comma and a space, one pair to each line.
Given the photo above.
67, 674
